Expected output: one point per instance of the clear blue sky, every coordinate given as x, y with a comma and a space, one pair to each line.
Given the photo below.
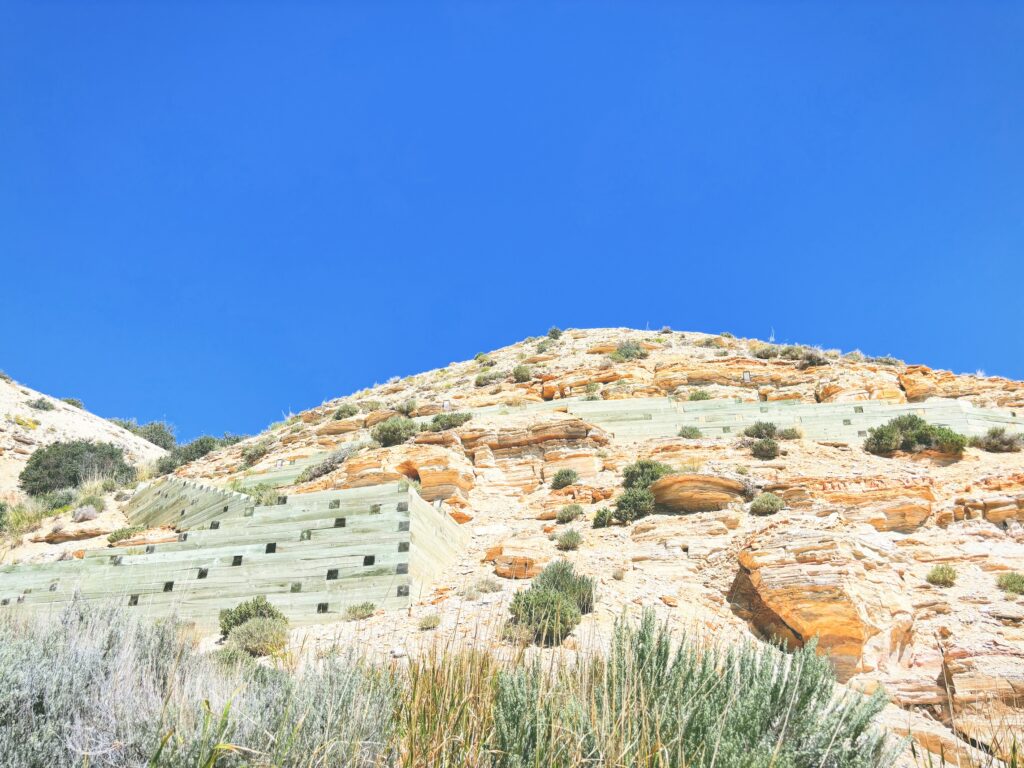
216, 212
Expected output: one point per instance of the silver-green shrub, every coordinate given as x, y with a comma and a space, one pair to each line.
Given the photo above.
93, 686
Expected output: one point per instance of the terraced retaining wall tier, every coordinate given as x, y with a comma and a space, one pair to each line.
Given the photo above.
311, 555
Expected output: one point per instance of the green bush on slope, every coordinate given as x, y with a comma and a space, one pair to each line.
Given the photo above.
193, 451
69, 464
911, 433
159, 433
257, 607
394, 431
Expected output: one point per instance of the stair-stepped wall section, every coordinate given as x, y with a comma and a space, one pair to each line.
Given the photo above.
436, 540
311, 555
643, 418
185, 504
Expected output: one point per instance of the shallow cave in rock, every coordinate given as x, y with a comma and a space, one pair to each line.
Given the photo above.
747, 604
409, 470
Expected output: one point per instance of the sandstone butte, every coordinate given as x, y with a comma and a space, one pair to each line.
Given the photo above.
845, 561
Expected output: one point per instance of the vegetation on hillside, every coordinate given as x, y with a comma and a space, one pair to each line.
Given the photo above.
394, 431
552, 606
765, 449
766, 504
942, 576
345, 411
253, 452
628, 350
442, 421
564, 478
257, 607
28, 514
70, 464
998, 440
911, 433
194, 450
95, 687
159, 433
637, 500
333, 460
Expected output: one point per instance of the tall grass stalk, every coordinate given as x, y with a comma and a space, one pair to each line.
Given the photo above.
95, 688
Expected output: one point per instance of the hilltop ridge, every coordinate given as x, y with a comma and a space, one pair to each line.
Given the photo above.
30, 420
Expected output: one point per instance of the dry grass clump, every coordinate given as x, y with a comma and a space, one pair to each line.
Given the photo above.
942, 576
569, 540
394, 431
1013, 583
568, 513
430, 621
29, 514
125, 533
359, 611
998, 440
254, 452
261, 636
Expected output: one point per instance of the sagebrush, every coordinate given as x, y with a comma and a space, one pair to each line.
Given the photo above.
95, 687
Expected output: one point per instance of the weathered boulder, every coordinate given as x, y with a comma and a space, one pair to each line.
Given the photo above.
931, 736
901, 515
440, 473
563, 385
887, 504
696, 493
376, 417
848, 385
995, 509
84, 514
581, 494
517, 558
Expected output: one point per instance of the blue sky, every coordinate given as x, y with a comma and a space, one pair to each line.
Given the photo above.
215, 213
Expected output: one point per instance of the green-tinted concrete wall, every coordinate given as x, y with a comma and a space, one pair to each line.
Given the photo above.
312, 555
835, 422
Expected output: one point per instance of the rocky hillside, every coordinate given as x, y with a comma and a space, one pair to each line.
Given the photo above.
850, 558
845, 550
30, 420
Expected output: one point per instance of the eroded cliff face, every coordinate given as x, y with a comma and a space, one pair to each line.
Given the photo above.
845, 561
